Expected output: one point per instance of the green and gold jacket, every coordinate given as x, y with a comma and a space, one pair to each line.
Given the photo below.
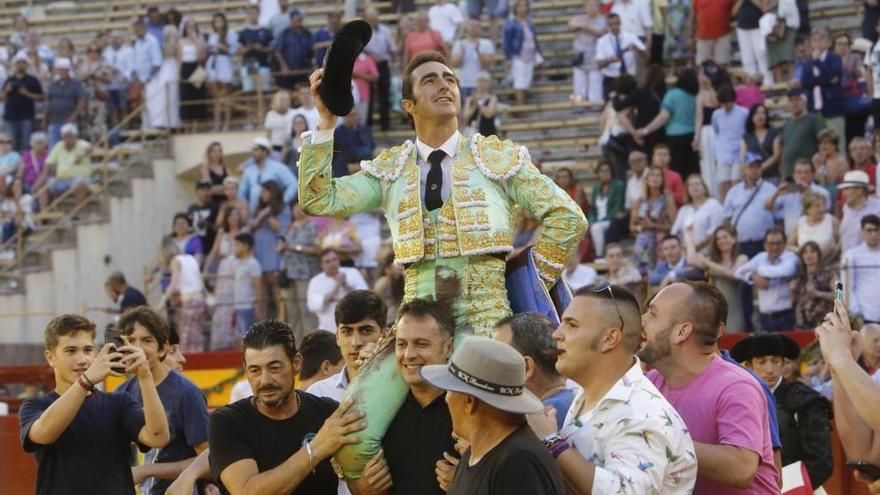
490, 179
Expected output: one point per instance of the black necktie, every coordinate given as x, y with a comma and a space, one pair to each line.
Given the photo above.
434, 184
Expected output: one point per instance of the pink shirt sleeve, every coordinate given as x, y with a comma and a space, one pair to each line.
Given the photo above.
742, 417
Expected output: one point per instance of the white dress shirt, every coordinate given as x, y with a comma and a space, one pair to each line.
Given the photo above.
582, 276
606, 48
320, 285
121, 60
635, 438
861, 270
450, 147
332, 387
635, 16
779, 272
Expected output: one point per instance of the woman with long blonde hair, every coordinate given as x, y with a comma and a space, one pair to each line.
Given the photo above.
279, 120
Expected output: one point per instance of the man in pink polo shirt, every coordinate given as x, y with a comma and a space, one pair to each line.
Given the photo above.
722, 406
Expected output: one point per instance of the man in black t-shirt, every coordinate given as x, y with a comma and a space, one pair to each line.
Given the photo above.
81, 437
203, 214
185, 404
281, 439
421, 432
487, 398
20, 91
126, 296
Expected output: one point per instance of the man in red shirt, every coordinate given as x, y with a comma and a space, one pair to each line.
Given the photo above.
674, 182
862, 158
710, 20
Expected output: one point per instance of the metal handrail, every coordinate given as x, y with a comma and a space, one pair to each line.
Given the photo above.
102, 168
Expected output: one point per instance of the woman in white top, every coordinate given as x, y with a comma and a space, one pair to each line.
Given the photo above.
279, 120
193, 52
222, 46
699, 217
817, 225
223, 333
162, 93
187, 285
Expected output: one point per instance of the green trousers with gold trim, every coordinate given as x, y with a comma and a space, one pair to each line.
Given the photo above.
474, 289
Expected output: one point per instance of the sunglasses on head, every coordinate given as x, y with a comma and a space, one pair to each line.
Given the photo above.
606, 285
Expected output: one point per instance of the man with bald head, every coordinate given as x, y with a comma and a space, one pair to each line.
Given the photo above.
620, 435
870, 360
723, 407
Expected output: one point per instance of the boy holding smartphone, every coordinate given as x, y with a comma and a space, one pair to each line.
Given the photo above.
79, 435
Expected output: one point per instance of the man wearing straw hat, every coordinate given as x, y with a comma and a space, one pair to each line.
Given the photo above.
488, 401
859, 203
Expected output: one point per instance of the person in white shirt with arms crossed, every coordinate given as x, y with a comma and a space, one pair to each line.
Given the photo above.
331, 285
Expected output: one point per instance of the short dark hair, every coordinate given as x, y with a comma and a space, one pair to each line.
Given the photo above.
624, 84
670, 237
66, 325
315, 348
428, 308
406, 91
870, 220
661, 146
246, 239
116, 278
360, 305
532, 335
147, 318
629, 307
726, 94
612, 15
326, 251
173, 336
775, 230
706, 310
183, 215
268, 333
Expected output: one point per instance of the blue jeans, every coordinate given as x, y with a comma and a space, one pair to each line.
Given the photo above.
244, 318
20, 131
53, 132
778, 321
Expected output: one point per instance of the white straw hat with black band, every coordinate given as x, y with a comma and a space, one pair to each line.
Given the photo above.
491, 371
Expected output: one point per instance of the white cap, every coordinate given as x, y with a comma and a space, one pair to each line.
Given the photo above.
20, 56
262, 143
62, 63
69, 129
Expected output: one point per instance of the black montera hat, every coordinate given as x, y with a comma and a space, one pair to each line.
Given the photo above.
765, 344
335, 87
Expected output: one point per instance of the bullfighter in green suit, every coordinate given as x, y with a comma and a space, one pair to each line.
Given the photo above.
450, 203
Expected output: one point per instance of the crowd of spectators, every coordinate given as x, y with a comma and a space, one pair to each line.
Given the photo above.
712, 209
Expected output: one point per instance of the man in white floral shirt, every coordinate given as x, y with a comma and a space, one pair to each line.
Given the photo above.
620, 435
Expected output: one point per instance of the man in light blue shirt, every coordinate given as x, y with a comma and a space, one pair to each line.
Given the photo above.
146, 53
787, 202
674, 265
261, 169
744, 207
771, 272
728, 127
